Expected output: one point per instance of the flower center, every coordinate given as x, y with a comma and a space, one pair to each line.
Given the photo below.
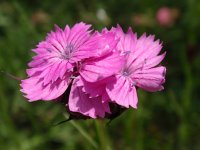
67, 52
126, 52
125, 72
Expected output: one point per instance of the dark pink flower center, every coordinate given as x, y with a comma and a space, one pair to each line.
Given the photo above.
67, 52
125, 72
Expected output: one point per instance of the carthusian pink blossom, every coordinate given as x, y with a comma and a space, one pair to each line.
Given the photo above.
70, 55
54, 64
140, 70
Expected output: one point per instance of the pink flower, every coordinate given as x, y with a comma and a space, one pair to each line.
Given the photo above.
140, 69
56, 60
166, 16
71, 56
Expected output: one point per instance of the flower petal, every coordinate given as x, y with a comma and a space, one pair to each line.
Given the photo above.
100, 68
35, 89
121, 92
145, 48
127, 41
150, 79
95, 89
80, 102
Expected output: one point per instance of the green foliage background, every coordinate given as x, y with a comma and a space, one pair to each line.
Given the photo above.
164, 120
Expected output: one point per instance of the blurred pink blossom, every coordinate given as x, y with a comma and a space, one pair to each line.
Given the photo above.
166, 16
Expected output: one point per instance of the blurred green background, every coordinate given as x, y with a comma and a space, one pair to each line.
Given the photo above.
164, 120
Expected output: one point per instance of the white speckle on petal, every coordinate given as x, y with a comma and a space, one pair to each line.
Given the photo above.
133, 84
107, 46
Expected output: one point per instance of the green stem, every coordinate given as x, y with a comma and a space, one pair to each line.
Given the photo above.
83, 133
103, 137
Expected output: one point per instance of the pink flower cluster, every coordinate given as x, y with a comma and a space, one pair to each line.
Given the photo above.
100, 68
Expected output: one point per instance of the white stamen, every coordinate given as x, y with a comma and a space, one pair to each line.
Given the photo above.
67, 51
72, 77
133, 84
125, 73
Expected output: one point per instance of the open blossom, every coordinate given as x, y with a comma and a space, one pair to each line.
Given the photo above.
101, 70
51, 69
139, 70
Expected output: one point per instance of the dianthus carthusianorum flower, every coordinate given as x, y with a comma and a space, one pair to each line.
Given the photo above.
139, 70
51, 68
100, 69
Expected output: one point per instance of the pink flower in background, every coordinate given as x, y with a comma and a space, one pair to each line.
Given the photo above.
166, 17
56, 57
